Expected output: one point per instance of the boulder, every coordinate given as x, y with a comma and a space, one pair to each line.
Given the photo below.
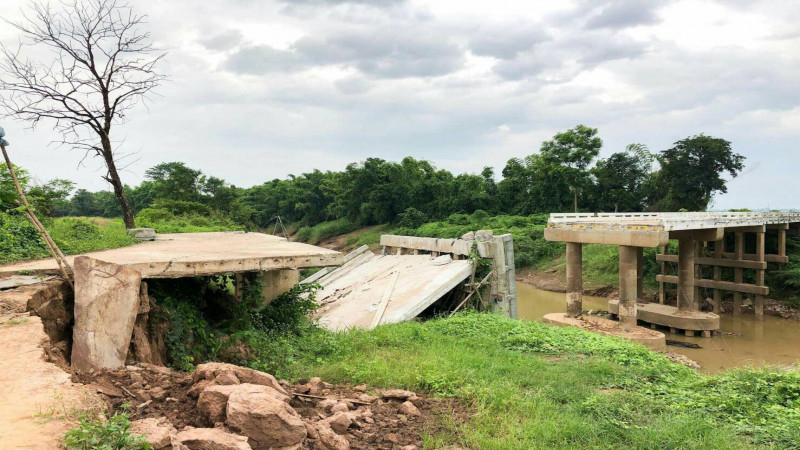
213, 401
142, 234
397, 394
157, 432
339, 422
209, 439
106, 304
210, 371
329, 439
265, 417
409, 409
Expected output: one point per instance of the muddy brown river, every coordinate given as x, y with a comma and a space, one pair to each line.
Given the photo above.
751, 342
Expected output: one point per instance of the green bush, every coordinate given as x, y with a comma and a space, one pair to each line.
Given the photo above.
102, 434
325, 230
164, 221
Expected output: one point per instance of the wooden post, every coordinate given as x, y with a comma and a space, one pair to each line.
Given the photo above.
758, 305
738, 252
718, 249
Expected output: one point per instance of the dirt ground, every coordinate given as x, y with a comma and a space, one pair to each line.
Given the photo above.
146, 391
38, 402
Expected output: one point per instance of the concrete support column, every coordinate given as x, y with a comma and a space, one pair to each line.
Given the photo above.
781, 245
759, 300
662, 287
686, 299
574, 279
639, 273
719, 247
628, 268
738, 254
276, 282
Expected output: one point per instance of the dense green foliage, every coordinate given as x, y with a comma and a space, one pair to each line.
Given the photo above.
104, 434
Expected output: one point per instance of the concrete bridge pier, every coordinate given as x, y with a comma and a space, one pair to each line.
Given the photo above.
629, 282
574, 279
686, 291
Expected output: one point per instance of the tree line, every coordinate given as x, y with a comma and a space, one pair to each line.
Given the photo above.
564, 175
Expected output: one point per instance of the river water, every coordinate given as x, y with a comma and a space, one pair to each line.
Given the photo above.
751, 342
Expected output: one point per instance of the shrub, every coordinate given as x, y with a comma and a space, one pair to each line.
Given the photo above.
111, 434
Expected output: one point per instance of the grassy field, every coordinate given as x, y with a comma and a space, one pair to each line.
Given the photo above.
529, 385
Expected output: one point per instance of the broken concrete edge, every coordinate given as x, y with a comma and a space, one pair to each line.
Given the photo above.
654, 340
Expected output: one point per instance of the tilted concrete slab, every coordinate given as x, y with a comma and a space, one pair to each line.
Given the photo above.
352, 299
670, 316
201, 254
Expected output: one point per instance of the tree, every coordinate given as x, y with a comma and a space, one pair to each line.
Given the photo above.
691, 172
573, 150
620, 179
101, 65
176, 181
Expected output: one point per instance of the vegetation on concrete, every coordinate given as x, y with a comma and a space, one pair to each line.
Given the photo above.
104, 433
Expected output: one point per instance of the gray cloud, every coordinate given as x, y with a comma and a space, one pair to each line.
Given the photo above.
262, 59
223, 41
505, 41
386, 53
625, 13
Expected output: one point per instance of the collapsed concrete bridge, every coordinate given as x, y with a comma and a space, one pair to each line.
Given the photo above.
713, 239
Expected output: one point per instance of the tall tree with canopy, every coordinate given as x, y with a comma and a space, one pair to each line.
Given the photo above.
620, 179
573, 151
101, 64
692, 172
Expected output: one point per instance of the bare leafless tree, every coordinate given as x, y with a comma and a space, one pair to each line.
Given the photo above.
101, 65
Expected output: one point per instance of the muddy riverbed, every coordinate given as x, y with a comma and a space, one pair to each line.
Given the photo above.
745, 341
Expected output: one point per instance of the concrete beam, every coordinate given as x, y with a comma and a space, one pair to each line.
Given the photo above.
740, 288
631, 238
717, 262
454, 246
750, 229
707, 234
574, 279
778, 226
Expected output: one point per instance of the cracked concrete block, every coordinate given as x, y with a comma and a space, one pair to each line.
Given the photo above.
106, 304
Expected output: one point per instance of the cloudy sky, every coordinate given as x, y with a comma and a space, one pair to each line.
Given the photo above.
261, 89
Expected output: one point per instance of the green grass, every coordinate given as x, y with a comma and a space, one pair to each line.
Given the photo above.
529, 385
325, 230
19, 240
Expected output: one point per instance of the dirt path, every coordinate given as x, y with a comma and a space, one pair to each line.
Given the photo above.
38, 403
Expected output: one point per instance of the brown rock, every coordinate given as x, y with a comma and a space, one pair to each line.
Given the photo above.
106, 303
360, 388
397, 394
339, 422
226, 378
209, 439
265, 417
327, 404
408, 408
199, 387
367, 398
311, 431
340, 407
210, 371
330, 440
158, 393
316, 385
157, 432
213, 401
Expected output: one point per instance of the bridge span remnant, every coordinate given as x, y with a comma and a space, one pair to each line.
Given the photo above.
712, 239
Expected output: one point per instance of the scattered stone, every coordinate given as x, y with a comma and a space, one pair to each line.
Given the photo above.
327, 404
210, 371
410, 409
339, 422
158, 393
265, 417
330, 440
157, 432
397, 394
360, 388
340, 407
226, 378
142, 234
367, 398
209, 439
